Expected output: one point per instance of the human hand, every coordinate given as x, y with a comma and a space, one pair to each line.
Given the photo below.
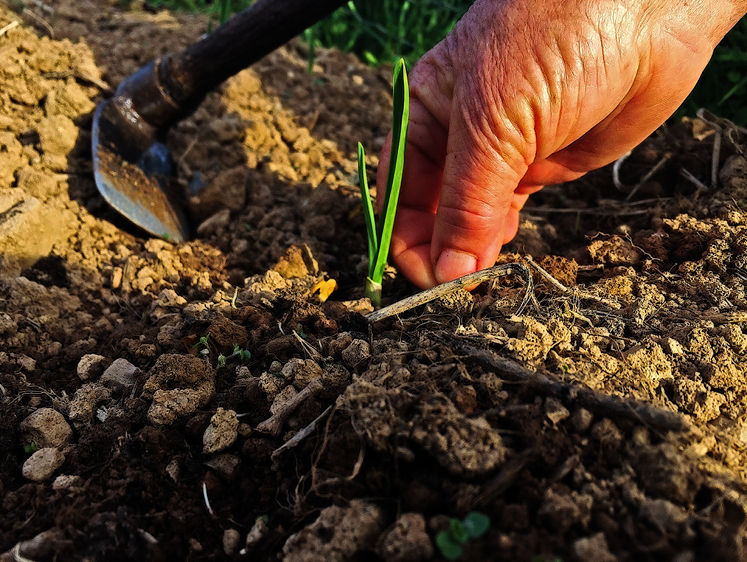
524, 94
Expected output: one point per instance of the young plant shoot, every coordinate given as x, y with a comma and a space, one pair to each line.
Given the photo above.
380, 233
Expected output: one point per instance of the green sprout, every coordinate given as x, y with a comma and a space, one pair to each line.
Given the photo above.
205, 343
380, 233
238, 352
473, 526
31, 448
242, 354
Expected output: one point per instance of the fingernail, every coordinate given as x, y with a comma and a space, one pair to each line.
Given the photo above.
453, 263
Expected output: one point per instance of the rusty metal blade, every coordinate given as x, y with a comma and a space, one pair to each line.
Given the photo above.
132, 171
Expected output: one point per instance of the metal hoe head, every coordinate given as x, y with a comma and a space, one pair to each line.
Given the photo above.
133, 170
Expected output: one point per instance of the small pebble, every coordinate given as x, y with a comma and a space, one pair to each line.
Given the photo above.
555, 411
41, 465
222, 431
356, 354
119, 376
581, 420
46, 427
65, 481
91, 366
231, 540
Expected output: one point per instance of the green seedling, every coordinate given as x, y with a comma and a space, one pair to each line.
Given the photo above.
31, 448
379, 233
238, 352
450, 543
205, 343
242, 354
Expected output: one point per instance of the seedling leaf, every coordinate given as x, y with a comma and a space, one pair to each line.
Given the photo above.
368, 212
400, 118
459, 531
447, 546
476, 524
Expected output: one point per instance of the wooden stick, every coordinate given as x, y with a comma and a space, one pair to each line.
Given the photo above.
8, 27
572, 394
462, 283
274, 425
301, 435
565, 290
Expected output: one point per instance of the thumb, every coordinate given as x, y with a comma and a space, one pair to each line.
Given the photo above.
477, 207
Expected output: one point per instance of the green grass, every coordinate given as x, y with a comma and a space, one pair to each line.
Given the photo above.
381, 31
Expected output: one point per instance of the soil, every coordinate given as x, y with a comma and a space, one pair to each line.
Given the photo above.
226, 399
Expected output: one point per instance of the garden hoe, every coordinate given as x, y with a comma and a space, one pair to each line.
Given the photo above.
132, 166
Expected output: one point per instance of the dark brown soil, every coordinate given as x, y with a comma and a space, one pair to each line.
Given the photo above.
212, 401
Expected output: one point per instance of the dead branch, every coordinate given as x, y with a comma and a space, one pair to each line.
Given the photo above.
274, 425
301, 435
470, 280
572, 394
565, 290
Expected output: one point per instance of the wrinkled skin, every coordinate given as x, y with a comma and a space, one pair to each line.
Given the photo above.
528, 93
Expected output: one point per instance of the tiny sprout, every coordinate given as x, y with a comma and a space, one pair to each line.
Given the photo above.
242, 354
238, 352
450, 543
31, 448
204, 341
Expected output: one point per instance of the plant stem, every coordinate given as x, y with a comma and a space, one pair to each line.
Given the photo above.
373, 292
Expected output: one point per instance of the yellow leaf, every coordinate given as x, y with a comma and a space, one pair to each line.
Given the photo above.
324, 288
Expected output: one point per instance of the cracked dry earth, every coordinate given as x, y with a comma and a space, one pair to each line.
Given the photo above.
212, 401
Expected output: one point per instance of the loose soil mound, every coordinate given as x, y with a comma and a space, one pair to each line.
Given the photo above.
207, 401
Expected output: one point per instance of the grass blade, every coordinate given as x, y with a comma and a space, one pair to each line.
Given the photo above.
368, 212
400, 117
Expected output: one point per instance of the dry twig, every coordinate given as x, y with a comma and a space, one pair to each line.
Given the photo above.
8, 27
502, 481
659, 165
616, 172
274, 425
41, 21
563, 289
470, 280
632, 190
301, 435
608, 406
688, 175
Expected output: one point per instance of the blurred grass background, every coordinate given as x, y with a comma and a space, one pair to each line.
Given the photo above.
379, 31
